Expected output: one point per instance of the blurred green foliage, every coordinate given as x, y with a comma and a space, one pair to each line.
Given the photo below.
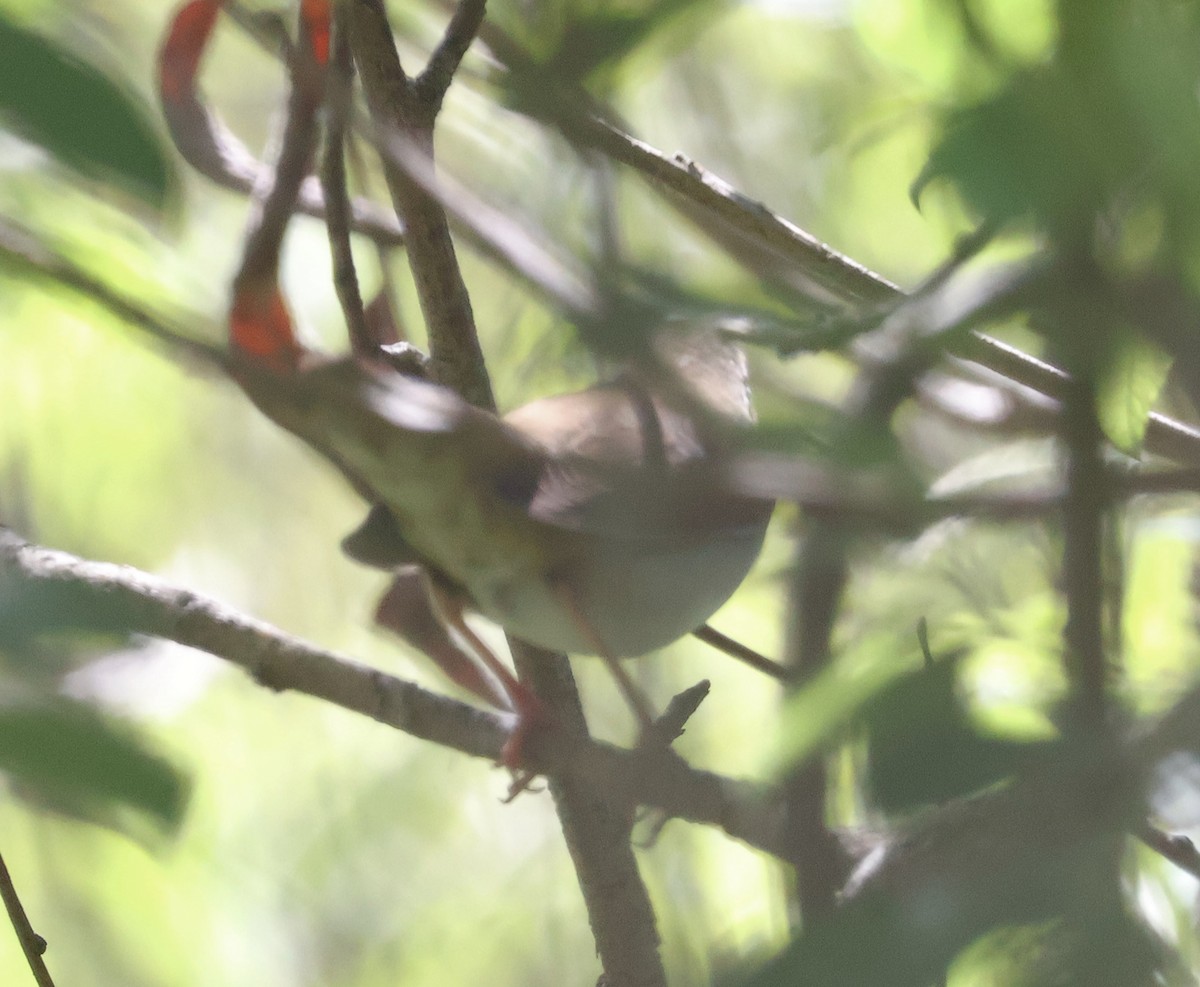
323, 849
80, 116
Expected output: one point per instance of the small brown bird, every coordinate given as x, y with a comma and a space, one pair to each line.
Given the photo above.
596, 522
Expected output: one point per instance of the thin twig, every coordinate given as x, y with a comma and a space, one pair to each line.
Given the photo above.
32, 945
668, 726
431, 85
1083, 563
206, 144
456, 359
814, 597
1178, 849
276, 199
333, 185
735, 649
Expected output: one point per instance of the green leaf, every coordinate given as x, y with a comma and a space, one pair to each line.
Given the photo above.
923, 747
1042, 146
78, 114
68, 757
1133, 378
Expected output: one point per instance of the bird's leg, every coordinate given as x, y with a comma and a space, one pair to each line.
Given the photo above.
633, 695
407, 610
522, 700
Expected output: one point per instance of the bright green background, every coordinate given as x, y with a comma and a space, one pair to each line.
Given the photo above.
322, 848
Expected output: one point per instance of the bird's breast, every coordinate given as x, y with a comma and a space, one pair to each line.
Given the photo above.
634, 597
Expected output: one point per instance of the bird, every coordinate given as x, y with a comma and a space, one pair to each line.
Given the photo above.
597, 522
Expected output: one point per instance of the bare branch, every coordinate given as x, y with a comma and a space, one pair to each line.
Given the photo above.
333, 185
144, 604
456, 359
32, 945
147, 605
431, 85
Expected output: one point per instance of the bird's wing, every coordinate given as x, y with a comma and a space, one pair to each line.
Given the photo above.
625, 465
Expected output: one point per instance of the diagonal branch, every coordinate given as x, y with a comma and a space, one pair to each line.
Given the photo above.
781, 253
120, 596
32, 945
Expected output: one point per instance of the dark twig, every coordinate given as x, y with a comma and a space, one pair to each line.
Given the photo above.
814, 597
735, 649
1083, 556
32, 945
456, 359
277, 198
668, 726
923, 641
497, 235
431, 85
927, 654
333, 185
1178, 849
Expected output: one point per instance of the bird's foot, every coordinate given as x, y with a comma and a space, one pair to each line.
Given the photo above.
532, 717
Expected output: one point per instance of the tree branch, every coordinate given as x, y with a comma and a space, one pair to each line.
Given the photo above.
32, 945
456, 359
120, 596
339, 100
772, 248
434, 81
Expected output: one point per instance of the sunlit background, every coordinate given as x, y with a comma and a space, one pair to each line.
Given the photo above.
319, 847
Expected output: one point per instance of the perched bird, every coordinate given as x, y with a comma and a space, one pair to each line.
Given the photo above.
596, 522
